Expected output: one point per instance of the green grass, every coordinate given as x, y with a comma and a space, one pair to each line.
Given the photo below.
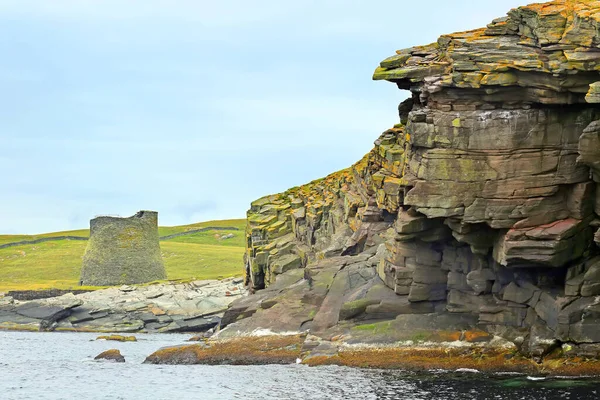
162, 230
235, 223
57, 264
53, 264
211, 237
201, 261
18, 238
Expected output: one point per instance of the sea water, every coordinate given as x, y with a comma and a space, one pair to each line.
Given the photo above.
62, 366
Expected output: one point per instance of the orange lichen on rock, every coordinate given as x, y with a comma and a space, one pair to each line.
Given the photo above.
118, 338
238, 351
474, 336
110, 355
487, 360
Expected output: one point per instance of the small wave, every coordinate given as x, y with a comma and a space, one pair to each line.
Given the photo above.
536, 378
469, 370
438, 371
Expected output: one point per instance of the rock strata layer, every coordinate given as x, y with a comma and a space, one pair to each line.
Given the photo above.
481, 205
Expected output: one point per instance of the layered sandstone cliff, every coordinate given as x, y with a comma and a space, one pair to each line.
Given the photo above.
481, 203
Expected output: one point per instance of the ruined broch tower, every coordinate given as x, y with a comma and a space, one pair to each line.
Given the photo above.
123, 251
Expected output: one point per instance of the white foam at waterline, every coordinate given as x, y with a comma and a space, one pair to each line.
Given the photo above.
536, 378
469, 370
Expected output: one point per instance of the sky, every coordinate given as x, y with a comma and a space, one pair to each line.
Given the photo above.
194, 108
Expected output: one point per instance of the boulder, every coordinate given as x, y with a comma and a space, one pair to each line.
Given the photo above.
111, 355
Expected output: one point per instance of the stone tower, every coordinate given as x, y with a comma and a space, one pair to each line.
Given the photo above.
123, 251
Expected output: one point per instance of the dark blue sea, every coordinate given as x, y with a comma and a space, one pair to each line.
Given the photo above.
62, 366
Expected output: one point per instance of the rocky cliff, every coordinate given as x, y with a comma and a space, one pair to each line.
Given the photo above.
480, 206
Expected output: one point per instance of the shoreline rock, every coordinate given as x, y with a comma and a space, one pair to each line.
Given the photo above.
261, 350
111, 355
426, 356
172, 307
118, 338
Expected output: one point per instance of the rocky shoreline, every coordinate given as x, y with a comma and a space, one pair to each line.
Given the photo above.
302, 318
493, 356
172, 307
417, 342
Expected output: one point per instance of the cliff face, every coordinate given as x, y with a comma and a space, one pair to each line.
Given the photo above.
481, 202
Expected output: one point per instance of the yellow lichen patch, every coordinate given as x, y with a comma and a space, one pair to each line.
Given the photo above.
526, 41
118, 338
10, 326
129, 237
499, 79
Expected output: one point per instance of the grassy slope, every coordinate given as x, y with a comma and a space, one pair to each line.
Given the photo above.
162, 230
18, 238
235, 223
57, 264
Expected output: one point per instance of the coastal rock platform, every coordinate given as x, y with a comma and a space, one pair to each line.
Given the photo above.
173, 307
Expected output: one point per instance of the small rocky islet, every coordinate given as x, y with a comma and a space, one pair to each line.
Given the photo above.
468, 237
113, 355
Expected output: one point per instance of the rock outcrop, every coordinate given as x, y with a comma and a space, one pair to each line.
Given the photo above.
480, 205
123, 251
177, 307
111, 355
118, 338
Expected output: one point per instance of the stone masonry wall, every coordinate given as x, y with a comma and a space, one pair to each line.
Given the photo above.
123, 251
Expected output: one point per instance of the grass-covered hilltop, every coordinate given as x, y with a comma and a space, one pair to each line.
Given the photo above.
205, 250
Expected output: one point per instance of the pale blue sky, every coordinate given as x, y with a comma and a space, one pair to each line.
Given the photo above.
193, 108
